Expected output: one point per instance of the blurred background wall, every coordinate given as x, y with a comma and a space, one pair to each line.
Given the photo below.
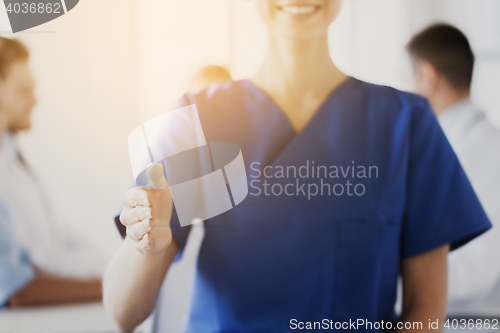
108, 65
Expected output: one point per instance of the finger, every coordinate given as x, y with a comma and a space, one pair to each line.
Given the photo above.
156, 179
147, 244
137, 197
137, 231
130, 216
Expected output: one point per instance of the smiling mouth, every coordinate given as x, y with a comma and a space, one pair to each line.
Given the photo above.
298, 10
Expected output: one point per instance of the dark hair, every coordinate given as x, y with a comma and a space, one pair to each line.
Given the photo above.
11, 51
448, 50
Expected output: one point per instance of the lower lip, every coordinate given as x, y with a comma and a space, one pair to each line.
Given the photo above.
299, 16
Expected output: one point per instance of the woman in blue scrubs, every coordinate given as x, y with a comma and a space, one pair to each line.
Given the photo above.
377, 192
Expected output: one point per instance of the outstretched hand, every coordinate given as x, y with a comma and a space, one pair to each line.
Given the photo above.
147, 211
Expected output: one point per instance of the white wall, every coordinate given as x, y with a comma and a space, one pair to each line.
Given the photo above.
176, 38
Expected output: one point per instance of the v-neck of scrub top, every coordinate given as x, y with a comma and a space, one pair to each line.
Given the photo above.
290, 136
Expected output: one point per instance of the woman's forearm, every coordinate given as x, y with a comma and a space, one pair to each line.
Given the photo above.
420, 318
424, 289
132, 282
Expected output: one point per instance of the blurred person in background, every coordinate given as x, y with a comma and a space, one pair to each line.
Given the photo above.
208, 75
443, 66
41, 260
275, 262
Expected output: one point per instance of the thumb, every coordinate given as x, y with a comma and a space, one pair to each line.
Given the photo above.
156, 179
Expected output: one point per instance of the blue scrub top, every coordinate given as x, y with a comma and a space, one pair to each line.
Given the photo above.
274, 257
15, 269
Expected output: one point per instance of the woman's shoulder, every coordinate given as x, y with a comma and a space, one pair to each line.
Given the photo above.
394, 99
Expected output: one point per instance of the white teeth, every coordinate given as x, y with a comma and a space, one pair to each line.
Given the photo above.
298, 10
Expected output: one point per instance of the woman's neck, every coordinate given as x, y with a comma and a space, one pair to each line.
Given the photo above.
296, 65
298, 76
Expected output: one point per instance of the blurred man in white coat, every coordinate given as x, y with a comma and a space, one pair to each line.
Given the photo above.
443, 65
42, 261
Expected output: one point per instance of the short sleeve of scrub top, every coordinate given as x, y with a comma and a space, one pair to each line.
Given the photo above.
15, 269
331, 211
440, 200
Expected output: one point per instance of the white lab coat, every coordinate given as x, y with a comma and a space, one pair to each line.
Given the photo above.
52, 246
474, 270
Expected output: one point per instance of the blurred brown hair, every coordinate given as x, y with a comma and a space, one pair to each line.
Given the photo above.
208, 75
448, 50
11, 51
